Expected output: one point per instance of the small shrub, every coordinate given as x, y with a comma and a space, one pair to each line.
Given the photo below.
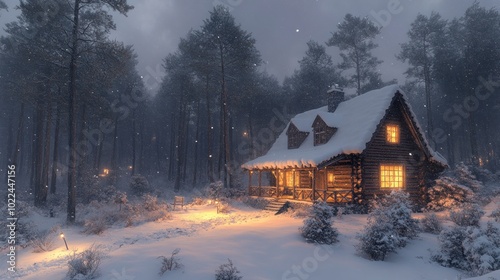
227, 271
85, 264
467, 215
390, 226
120, 199
495, 214
43, 241
170, 263
96, 225
451, 253
397, 208
378, 240
431, 224
223, 208
255, 202
150, 202
470, 248
318, 227
216, 190
448, 193
198, 201
139, 184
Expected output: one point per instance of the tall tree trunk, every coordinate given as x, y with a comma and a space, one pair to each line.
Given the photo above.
171, 157
185, 142
72, 108
19, 132
140, 164
33, 153
179, 146
196, 139
40, 197
225, 121
134, 134
210, 166
55, 157
46, 153
114, 164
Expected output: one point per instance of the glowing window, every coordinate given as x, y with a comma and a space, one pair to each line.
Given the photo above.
286, 178
392, 133
330, 179
391, 176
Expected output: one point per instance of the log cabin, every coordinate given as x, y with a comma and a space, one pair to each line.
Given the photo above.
348, 152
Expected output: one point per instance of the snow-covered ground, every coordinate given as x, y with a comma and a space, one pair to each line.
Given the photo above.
260, 244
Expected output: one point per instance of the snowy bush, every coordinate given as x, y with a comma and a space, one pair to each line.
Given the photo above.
255, 202
170, 263
85, 264
378, 239
93, 188
198, 201
43, 241
448, 193
397, 208
470, 248
482, 249
227, 271
467, 215
467, 178
139, 185
318, 227
451, 252
495, 214
120, 199
216, 190
95, 225
390, 226
150, 202
431, 223
223, 208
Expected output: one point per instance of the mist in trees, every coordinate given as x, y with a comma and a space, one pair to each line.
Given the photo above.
75, 107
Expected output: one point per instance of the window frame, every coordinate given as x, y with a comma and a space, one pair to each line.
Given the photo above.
389, 136
381, 176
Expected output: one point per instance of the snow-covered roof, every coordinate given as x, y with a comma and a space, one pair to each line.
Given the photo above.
356, 120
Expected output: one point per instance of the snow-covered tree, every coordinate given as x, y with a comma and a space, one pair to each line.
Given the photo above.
390, 226
470, 248
467, 214
431, 223
318, 227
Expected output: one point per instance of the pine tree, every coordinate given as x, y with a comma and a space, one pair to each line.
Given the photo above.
354, 38
419, 52
308, 85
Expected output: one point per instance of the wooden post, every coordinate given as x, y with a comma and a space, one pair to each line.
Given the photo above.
260, 182
314, 185
294, 183
249, 181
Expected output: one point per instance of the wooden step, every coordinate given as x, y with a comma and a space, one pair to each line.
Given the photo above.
275, 205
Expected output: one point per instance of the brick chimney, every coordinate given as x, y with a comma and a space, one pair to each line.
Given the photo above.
335, 96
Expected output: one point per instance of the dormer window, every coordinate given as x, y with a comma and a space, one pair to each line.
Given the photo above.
322, 132
392, 133
295, 136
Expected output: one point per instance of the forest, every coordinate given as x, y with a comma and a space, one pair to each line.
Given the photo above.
75, 110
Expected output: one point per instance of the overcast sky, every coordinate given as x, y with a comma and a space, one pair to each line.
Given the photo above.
280, 27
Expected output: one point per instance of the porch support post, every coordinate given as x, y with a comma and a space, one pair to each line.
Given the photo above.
314, 185
294, 183
249, 181
260, 182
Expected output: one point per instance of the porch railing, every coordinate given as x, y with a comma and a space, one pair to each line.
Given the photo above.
332, 196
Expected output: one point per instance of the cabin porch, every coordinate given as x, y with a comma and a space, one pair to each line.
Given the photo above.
333, 184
